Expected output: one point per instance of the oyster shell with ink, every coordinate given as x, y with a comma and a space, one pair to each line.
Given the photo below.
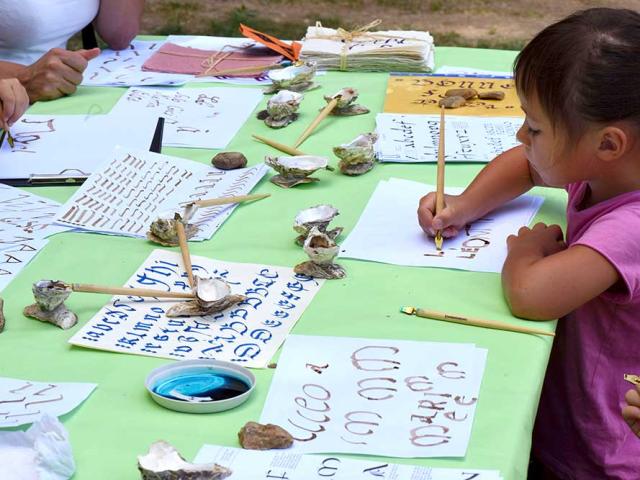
346, 106
297, 78
296, 169
318, 216
321, 250
358, 156
213, 295
281, 109
49, 307
164, 462
163, 229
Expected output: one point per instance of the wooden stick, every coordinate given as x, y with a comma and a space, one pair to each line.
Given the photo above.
440, 179
140, 292
212, 202
278, 146
477, 322
184, 249
241, 70
325, 111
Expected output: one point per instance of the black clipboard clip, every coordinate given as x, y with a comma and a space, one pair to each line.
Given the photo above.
156, 142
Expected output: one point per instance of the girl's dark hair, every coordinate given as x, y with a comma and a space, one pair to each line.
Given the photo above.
585, 68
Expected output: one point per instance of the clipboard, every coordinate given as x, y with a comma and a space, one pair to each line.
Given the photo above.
75, 176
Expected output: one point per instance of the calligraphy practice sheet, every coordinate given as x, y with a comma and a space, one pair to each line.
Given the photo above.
122, 68
24, 401
194, 117
455, 70
394, 398
32, 215
257, 464
388, 231
14, 258
248, 333
69, 144
414, 138
133, 188
420, 94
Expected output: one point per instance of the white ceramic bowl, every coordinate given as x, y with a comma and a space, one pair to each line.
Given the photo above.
185, 367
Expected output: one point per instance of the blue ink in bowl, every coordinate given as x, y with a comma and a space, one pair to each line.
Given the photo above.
201, 387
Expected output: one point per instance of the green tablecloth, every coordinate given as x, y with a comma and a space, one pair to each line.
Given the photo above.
120, 421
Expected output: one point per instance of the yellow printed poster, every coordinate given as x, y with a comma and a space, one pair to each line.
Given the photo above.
421, 94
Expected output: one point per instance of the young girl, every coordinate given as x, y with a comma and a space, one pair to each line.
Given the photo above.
578, 84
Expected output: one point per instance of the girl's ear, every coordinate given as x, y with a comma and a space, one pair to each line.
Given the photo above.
613, 142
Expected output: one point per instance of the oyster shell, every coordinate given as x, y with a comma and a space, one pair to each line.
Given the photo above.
321, 250
295, 170
163, 462
213, 295
297, 78
358, 156
346, 106
49, 307
319, 216
281, 109
163, 229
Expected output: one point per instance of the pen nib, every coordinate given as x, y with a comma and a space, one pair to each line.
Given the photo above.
438, 241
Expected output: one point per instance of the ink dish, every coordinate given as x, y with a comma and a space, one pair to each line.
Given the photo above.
200, 386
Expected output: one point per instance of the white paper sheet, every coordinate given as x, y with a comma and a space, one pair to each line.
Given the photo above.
248, 333
122, 68
69, 144
253, 464
14, 258
388, 231
130, 190
393, 398
194, 117
454, 70
24, 401
414, 138
31, 214
43, 452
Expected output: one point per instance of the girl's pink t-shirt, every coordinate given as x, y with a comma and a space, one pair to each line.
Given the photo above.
579, 432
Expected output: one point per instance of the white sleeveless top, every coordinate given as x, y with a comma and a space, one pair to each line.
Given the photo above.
30, 28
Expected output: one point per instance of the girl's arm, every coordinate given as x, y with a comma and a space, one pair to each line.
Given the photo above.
118, 21
542, 279
503, 179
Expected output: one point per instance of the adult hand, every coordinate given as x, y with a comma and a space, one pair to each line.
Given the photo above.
449, 221
13, 101
631, 411
541, 241
57, 73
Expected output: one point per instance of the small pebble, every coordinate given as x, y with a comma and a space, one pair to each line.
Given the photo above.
452, 102
229, 160
466, 93
491, 95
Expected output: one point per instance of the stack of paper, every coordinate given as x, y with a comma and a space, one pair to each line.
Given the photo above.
414, 138
393, 50
388, 231
393, 398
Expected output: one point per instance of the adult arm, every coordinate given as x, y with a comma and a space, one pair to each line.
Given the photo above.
118, 21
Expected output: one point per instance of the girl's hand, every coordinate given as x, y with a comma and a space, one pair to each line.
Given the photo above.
540, 241
631, 411
449, 221
13, 101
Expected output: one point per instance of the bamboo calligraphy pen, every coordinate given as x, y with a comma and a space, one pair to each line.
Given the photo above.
440, 179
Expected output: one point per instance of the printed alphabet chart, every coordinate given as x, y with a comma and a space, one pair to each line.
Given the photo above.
122, 68
414, 138
388, 231
194, 117
257, 464
133, 188
394, 398
248, 333
24, 401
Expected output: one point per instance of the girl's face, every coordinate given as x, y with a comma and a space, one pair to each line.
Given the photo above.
549, 152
